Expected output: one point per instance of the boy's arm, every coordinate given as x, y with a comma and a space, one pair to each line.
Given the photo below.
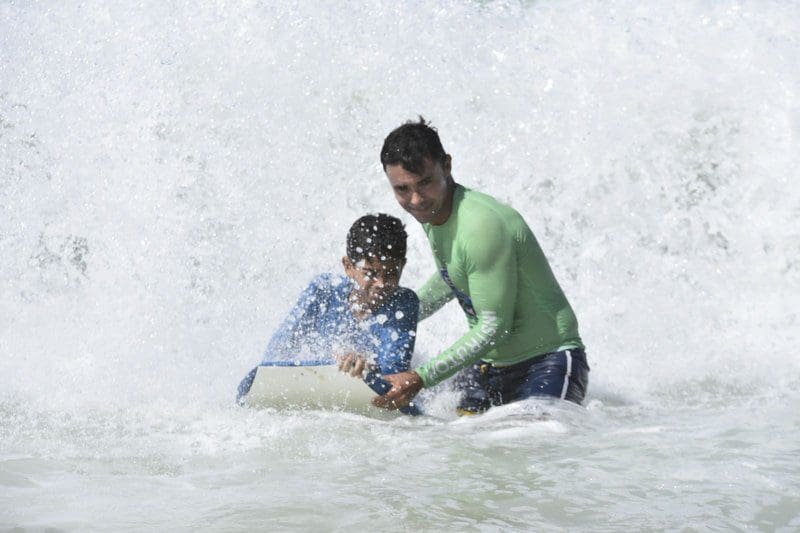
285, 340
398, 334
433, 295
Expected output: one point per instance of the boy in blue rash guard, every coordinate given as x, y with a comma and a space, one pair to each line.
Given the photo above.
364, 320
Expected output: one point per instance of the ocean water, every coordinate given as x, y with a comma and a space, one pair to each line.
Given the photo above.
172, 174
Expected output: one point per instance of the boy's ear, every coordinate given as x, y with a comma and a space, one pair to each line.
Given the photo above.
346, 263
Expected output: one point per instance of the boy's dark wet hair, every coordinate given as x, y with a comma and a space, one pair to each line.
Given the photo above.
409, 144
381, 236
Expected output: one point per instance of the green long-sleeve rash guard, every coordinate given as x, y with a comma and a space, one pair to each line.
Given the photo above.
490, 261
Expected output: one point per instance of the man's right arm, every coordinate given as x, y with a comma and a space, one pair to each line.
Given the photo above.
433, 295
490, 264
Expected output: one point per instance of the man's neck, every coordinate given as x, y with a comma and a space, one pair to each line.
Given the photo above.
444, 215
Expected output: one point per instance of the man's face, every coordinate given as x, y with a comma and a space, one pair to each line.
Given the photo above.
375, 280
426, 196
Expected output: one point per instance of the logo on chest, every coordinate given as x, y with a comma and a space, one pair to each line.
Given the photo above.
463, 299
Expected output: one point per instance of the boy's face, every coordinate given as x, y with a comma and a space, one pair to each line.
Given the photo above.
375, 280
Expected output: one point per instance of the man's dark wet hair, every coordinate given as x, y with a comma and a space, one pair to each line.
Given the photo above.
381, 236
409, 144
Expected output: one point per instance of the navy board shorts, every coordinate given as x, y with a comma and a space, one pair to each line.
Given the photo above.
563, 374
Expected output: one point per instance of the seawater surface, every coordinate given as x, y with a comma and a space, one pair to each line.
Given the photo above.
173, 174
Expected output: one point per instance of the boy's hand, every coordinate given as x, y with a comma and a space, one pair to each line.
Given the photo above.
405, 385
353, 363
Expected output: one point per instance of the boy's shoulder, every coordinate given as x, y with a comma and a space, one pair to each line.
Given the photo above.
404, 293
406, 300
329, 281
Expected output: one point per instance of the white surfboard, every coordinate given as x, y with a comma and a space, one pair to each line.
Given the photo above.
310, 387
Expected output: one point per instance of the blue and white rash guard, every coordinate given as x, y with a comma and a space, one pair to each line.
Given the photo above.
321, 325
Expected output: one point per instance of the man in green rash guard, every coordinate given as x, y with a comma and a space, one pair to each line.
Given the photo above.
523, 336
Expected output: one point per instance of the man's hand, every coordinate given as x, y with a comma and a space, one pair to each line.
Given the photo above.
353, 363
405, 386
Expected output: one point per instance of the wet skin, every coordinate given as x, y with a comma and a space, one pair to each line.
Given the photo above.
427, 196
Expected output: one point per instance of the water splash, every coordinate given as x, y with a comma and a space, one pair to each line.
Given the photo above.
172, 177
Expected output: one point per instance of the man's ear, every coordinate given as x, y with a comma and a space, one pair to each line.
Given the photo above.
346, 263
448, 165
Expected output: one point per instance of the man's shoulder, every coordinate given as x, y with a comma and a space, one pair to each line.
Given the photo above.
477, 197
482, 212
482, 202
479, 211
